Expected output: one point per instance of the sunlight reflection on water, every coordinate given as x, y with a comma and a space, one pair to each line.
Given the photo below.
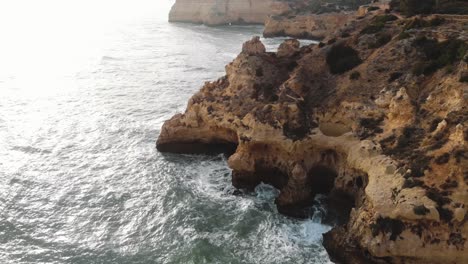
84, 89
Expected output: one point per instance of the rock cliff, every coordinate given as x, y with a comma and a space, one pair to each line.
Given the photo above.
315, 23
376, 117
311, 26
220, 12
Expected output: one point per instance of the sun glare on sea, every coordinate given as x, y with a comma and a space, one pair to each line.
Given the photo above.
45, 43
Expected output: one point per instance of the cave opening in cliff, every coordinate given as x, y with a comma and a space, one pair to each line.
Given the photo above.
211, 145
322, 179
212, 148
338, 201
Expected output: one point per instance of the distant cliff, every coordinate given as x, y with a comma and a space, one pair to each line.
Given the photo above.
310, 26
317, 21
313, 19
219, 12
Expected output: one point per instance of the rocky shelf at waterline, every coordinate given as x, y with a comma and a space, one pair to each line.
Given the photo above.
379, 114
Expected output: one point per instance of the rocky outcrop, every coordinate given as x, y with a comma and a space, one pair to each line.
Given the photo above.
376, 5
312, 26
378, 116
317, 26
220, 12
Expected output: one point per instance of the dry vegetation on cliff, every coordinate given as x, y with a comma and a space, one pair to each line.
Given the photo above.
379, 114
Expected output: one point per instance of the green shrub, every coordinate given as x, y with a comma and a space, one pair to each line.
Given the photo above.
355, 75
345, 35
464, 78
452, 7
372, 29
415, 23
437, 21
463, 54
394, 76
326, 6
419, 68
384, 18
449, 69
404, 35
420, 210
438, 54
395, 5
378, 23
381, 40
421, 23
342, 58
413, 7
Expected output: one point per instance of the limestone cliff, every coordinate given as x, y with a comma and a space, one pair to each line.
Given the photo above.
315, 24
311, 26
220, 12
378, 116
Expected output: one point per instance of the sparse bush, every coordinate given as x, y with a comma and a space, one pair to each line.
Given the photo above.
395, 5
452, 7
385, 18
394, 76
326, 6
372, 29
420, 210
419, 68
437, 21
345, 35
378, 23
381, 40
421, 23
449, 69
355, 75
464, 78
413, 7
404, 35
438, 54
342, 58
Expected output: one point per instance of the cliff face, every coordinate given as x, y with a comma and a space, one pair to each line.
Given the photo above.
312, 26
220, 12
377, 116
294, 18
309, 25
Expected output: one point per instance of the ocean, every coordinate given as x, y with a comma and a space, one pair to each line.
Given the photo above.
84, 89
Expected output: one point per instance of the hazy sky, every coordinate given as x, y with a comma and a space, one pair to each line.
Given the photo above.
43, 40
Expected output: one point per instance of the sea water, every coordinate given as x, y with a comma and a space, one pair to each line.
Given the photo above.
84, 89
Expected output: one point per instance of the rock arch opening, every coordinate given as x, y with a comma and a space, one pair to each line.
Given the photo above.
321, 179
337, 201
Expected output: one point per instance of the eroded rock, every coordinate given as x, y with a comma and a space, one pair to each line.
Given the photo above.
253, 47
394, 143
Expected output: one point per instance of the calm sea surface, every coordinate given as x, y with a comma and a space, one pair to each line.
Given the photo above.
84, 90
